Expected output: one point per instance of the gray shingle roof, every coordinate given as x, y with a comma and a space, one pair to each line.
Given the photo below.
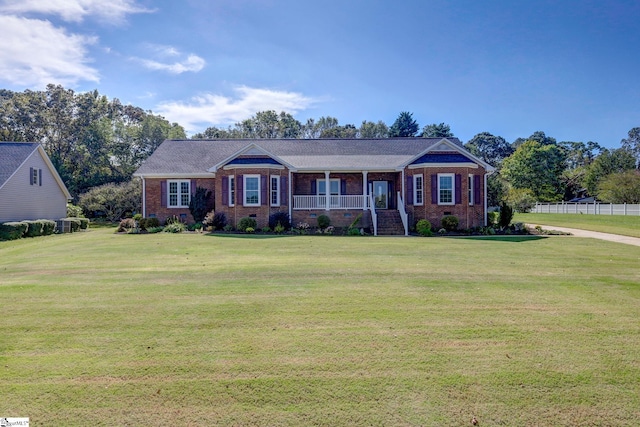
12, 155
185, 157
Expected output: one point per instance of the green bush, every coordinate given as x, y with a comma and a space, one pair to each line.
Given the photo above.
506, 215
493, 217
279, 229
352, 231
175, 227
147, 223
199, 202
323, 222
74, 211
49, 227
423, 227
34, 229
250, 230
246, 223
450, 222
281, 218
13, 230
266, 229
126, 225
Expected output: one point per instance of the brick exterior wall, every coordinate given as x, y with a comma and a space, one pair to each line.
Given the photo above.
261, 213
468, 215
154, 207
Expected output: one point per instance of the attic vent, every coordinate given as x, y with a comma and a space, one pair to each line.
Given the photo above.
254, 152
442, 147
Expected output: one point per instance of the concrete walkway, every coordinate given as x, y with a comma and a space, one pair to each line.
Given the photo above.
593, 234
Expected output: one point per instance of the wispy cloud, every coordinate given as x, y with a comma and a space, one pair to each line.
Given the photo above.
34, 53
219, 110
162, 55
112, 11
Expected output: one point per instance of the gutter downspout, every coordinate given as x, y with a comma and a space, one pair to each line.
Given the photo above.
144, 198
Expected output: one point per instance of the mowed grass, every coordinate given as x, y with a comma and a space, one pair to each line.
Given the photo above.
615, 224
105, 329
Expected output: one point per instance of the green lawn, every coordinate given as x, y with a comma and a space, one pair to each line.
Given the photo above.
105, 329
615, 224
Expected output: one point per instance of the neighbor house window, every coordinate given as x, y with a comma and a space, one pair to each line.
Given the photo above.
334, 187
470, 180
445, 189
232, 190
418, 190
275, 191
251, 190
179, 194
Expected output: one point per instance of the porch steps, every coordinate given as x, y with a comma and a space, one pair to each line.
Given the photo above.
389, 223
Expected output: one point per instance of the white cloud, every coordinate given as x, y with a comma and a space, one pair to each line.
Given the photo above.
192, 63
112, 11
34, 53
218, 110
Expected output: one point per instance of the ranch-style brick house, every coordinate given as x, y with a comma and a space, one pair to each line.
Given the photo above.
30, 186
392, 182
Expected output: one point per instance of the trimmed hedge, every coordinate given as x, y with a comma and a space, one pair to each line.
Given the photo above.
13, 230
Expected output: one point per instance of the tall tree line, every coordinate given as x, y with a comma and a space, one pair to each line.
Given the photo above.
90, 139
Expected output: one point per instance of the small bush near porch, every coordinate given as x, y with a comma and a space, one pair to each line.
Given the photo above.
196, 329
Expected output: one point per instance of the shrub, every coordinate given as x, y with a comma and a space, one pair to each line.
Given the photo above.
355, 222
13, 230
522, 199
174, 227
352, 231
449, 222
147, 223
49, 227
279, 229
172, 220
126, 225
228, 228
302, 228
250, 230
493, 217
506, 215
281, 218
323, 222
198, 204
113, 200
423, 227
195, 227
155, 229
34, 228
219, 221
247, 222
266, 230
74, 211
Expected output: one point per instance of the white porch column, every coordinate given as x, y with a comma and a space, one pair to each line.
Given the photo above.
327, 187
485, 199
364, 190
290, 193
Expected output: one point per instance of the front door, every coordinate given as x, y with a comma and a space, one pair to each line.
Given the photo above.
381, 194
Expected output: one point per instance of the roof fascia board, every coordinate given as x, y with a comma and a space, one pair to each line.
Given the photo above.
454, 147
54, 172
253, 166
174, 175
443, 165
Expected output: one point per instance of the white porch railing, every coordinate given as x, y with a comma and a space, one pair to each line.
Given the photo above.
403, 215
335, 202
593, 208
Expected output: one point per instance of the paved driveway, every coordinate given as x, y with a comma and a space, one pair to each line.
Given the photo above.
593, 234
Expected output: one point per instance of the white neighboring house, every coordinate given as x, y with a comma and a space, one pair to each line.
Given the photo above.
30, 186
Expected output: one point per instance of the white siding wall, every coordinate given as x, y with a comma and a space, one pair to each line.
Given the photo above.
20, 201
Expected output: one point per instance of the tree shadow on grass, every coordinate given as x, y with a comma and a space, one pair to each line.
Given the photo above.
508, 239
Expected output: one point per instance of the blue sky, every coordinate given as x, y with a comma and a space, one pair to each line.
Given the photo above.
568, 68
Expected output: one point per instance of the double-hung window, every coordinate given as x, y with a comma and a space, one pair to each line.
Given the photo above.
179, 193
446, 187
274, 190
418, 190
251, 190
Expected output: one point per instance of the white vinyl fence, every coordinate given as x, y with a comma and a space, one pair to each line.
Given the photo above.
594, 208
